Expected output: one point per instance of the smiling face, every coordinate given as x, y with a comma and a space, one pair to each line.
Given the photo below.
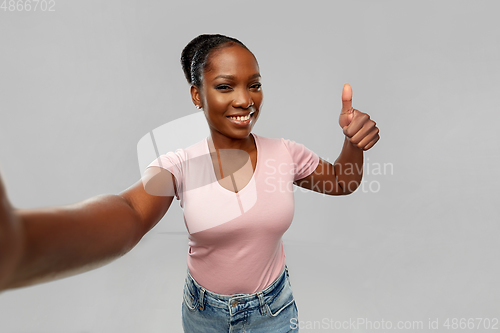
231, 87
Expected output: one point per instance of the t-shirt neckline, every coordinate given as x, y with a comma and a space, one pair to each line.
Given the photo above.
252, 179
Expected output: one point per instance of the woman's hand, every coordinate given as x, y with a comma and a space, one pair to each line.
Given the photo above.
359, 129
10, 238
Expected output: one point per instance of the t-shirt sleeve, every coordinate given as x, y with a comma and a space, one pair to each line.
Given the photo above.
305, 161
172, 162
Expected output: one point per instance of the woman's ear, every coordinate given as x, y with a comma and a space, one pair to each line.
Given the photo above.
196, 96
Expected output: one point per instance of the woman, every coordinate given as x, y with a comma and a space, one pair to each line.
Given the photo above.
234, 186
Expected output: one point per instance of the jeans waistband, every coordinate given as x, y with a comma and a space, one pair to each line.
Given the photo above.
231, 301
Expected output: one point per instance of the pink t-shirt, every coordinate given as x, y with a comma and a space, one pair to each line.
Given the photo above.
235, 244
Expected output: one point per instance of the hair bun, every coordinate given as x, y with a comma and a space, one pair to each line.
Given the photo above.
188, 53
194, 56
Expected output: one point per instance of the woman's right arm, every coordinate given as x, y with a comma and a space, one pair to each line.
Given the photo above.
38, 245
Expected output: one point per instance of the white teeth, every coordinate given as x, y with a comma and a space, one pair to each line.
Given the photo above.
241, 118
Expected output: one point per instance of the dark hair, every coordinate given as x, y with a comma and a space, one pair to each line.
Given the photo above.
195, 56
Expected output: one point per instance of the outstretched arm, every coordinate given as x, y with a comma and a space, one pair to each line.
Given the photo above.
11, 238
39, 245
345, 175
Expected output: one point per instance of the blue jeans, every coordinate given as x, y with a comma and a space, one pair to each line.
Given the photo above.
270, 310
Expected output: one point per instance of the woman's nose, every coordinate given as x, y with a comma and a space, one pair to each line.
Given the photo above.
243, 100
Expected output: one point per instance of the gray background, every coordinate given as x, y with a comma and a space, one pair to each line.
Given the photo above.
80, 86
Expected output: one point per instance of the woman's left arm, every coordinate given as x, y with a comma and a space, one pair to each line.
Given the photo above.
345, 175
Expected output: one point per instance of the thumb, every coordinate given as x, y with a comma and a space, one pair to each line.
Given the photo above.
347, 98
346, 113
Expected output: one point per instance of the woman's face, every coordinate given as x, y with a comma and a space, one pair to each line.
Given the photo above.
231, 87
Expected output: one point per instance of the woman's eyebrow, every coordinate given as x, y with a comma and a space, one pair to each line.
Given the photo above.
232, 77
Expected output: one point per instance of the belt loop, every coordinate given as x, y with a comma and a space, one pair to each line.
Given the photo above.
262, 303
201, 300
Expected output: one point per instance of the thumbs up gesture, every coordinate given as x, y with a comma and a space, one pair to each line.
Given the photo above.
358, 128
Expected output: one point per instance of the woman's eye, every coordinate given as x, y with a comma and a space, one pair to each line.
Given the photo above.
256, 86
222, 87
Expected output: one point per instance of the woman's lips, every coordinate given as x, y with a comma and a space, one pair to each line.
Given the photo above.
241, 123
